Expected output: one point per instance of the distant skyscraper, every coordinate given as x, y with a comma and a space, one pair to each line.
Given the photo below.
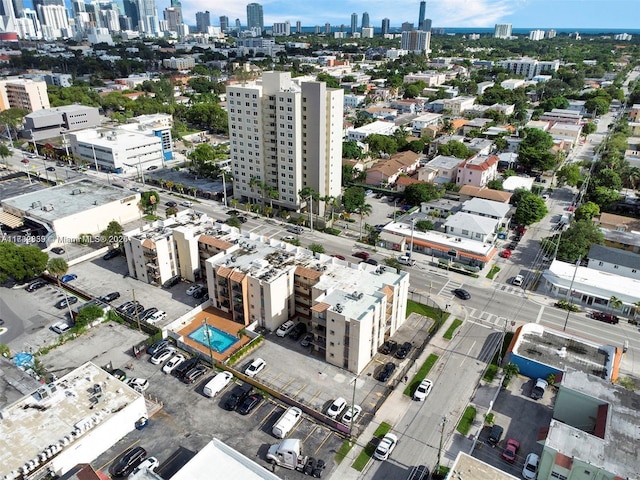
422, 14
178, 6
327, 28
298, 26
224, 23
203, 21
148, 17
426, 25
354, 23
131, 12
407, 26
255, 18
386, 26
365, 20
238, 25
7, 16
502, 30
416, 41
316, 30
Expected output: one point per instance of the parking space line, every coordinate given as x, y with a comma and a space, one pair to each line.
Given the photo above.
264, 420
315, 427
314, 397
113, 459
300, 390
284, 387
326, 438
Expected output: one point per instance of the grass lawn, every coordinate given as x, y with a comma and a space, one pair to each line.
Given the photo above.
467, 420
493, 272
426, 310
491, 372
368, 450
344, 450
451, 330
421, 375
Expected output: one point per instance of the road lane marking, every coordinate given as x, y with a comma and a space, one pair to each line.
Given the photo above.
540, 312
464, 357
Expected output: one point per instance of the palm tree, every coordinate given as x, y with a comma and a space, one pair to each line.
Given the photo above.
169, 184
180, 187
637, 308
193, 190
614, 303
58, 267
235, 202
272, 194
364, 210
255, 183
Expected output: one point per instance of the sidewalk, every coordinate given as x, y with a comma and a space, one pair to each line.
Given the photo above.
396, 405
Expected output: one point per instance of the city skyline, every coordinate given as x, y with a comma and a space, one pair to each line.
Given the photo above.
613, 14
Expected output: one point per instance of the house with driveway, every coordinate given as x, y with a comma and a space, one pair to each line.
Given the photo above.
474, 227
387, 171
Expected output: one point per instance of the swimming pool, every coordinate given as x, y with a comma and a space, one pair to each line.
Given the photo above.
213, 338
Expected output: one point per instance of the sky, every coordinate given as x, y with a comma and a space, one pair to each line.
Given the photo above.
614, 14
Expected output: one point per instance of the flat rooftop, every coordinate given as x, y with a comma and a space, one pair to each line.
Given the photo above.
562, 351
67, 199
33, 423
467, 467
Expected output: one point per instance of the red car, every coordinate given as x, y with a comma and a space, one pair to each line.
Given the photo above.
339, 257
362, 255
511, 450
505, 253
605, 317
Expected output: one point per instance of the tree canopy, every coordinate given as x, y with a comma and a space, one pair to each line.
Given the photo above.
577, 240
352, 199
530, 209
455, 149
569, 174
21, 262
417, 193
534, 150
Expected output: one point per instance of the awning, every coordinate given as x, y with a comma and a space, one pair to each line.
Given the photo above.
10, 220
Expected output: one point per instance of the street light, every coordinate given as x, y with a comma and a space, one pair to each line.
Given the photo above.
224, 189
575, 272
413, 225
353, 404
206, 329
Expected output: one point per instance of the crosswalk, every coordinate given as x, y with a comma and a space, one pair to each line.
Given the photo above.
510, 289
487, 318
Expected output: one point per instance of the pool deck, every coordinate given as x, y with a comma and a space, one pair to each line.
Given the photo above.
220, 320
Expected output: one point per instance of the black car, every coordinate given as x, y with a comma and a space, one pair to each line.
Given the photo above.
389, 347
371, 261
156, 347
233, 213
242, 219
297, 332
199, 293
462, 293
421, 472
237, 396
134, 310
182, 369
58, 250
65, 302
309, 466
307, 340
36, 285
317, 471
172, 282
111, 254
404, 350
147, 313
387, 371
109, 297
249, 403
171, 204
495, 434
128, 461
194, 374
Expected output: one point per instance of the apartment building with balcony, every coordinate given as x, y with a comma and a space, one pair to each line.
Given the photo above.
286, 135
23, 93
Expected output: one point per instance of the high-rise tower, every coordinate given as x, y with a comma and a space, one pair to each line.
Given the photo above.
354, 23
386, 26
365, 20
203, 21
422, 14
255, 18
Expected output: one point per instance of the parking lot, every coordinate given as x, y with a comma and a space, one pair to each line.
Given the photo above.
522, 418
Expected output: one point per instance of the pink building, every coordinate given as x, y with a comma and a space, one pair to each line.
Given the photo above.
478, 170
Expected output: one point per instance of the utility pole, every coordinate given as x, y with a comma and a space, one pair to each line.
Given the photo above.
575, 272
442, 424
135, 305
206, 329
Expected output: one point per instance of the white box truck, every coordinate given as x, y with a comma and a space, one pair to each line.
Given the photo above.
217, 384
286, 422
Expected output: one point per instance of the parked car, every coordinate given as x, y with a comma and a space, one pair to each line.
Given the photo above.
58, 250
124, 306
605, 317
284, 329
201, 292
173, 363
68, 277
128, 461
307, 340
60, 327
339, 257
362, 255
159, 316
403, 351
109, 297
162, 356
462, 294
495, 435
242, 219
193, 288
389, 347
233, 213
186, 204
181, 370
111, 254
237, 396
36, 285
517, 281
505, 253
256, 367
149, 464
147, 313
385, 447
423, 390
65, 302
152, 167
134, 310
405, 260
156, 347
194, 374
336, 408
171, 204
119, 374
421, 472
371, 261
387, 371
250, 403
537, 392
138, 384
511, 450
295, 229
297, 331
351, 414
530, 469
172, 282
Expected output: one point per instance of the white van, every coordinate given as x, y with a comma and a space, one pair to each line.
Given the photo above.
286, 422
217, 383
406, 260
517, 281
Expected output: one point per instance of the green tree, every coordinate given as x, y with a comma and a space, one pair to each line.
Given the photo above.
578, 239
455, 149
234, 221
112, 235
21, 262
417, 193
530, 209
598, 105
149, 201
614, 303
495, 184
351, 150
589, 128
364, 210
569, 174
424, 225
57, 266
4, 152
352, 198
88, 315
316, 248
332, 82
587, 211
380, 144
11, 119
534, 150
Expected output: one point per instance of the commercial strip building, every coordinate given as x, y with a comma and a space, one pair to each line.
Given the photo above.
52, 122
286, 135
69, 421
63, 212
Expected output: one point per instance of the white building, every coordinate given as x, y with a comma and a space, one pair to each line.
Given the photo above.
416, 41
180, 63
23, 93
529, 67
378, 127
286, 134
471, 226
52, 122
431, 79
512, 83
502, 30
536, 35
424, 121
70, 209
353, 101
458, 105
72, 420
366, 32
